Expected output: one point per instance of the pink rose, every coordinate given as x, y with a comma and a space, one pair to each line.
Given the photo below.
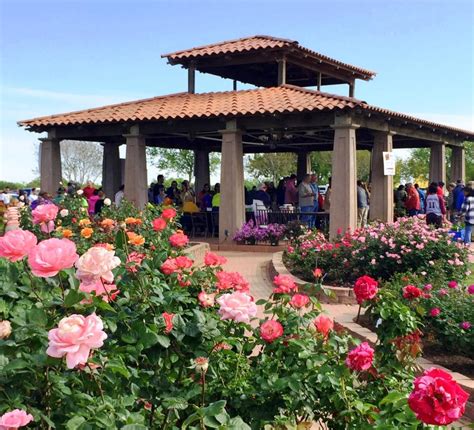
470, 289
169, 266
134, 260
365, 288
168, 318
107, 292
452, 284
323, 324
211, 259
96, 264
183, 262
74, 338
44, 213
51, 256
411, 292
437, 398
168, 213
271, 330
299, 301
232, 281
16, 244
465, 325
178, 240
435, 312
238, 306
159, 224
360, 358
428, 287
443, 292
15, 419
284, 284
206, 300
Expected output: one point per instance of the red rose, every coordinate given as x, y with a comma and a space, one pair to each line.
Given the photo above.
271, 330
436, 398
284, 284
318, 273
168, 322
435, 312
360, 358
169, 266
211, 259
178, 240
299, 301
411, 292
365, 288
232, 281
159, 224
168, 213
452, 284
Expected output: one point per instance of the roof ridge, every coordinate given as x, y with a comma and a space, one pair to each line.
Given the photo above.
148, 99
316, 92
256, 36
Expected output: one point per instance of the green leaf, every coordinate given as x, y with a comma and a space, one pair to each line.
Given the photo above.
134, 427
75, 422
16, 364
148, 338
120, 239
72, 298
175, 403
163, 340
214, 408
392, 397
38, 317
238, 423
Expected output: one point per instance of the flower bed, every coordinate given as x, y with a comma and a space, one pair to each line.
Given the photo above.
250, 234
381, 251
106, 324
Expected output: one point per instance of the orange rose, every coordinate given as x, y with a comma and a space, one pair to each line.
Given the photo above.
135, 239
86, 232
107, 223
67, 233
84, 222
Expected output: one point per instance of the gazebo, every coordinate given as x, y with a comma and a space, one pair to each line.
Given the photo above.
280, 115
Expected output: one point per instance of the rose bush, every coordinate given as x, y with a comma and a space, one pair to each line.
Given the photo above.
174, 345
380, 250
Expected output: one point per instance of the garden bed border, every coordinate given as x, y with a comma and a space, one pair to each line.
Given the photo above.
342, 295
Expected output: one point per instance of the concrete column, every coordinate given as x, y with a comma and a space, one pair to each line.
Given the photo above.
438, 162
381, 198
232, 210
303, 164
343, 212
50, 165
458, 164
201, 169
111, 169
135, 169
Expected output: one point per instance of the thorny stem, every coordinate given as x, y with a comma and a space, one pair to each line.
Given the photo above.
32, 283
99, 386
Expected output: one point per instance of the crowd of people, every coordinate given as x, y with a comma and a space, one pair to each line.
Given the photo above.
453, 203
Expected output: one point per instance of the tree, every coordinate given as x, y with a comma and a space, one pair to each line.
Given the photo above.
469, 148
179, 161
81, 161
271, 166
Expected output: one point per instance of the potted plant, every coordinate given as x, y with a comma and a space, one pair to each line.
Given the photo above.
274, 233
247, 234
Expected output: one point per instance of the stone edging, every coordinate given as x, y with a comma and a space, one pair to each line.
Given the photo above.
347, 321
343, 295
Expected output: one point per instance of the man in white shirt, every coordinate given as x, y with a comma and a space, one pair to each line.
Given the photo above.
33, 195
5, 196
119, 196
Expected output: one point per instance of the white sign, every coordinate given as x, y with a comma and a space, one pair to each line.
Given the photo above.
388, 164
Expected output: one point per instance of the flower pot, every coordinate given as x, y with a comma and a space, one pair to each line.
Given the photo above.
250, 241
274, 242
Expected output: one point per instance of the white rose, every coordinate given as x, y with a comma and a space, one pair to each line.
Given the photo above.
80, 192
63, 212
201, 364
5, 329
22, 198
107, 202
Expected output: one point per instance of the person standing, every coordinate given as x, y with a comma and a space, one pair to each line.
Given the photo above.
467, 211
314, 187
291, 192
160, 184
119, 196
400, 199
422, 196
306, 199
412, 203
435, 207
362, 204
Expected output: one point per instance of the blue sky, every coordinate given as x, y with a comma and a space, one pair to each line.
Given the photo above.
63, 55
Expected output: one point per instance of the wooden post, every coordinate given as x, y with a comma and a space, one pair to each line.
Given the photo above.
319, 80
303, 164
438, 162
234, 85
50, 165
136, 185
191, 79
381, 199
458, 164
282, 72
352, 89
232, 210
111, 169
201, 169
343, 211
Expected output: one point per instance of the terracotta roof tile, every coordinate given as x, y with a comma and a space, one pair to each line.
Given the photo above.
255, 43
283, 99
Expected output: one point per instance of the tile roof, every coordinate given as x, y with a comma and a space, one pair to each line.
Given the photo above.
255, 43
265, 101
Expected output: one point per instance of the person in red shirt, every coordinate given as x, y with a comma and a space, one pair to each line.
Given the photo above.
88, 190
412, 202
291, 192
440, 190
